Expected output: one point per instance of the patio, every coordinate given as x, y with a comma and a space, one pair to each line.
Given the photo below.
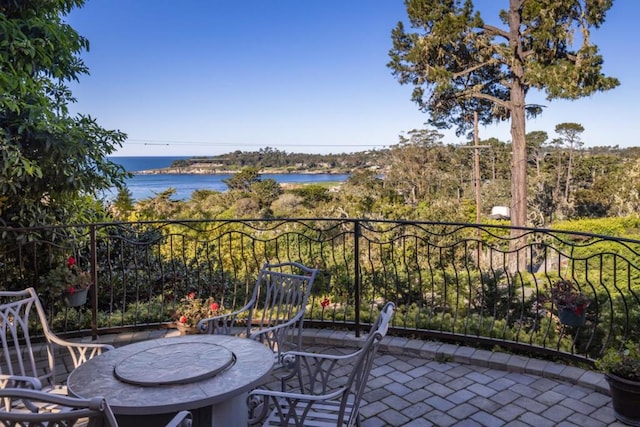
425, 383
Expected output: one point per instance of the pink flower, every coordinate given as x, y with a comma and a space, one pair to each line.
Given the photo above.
214, 306
192, 295
183, 319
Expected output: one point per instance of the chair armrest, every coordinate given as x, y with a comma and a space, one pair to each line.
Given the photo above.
222, 324
273, 336
274, 328
259, 401
80, 352
314, 373
295, 355
20, 381
296, 396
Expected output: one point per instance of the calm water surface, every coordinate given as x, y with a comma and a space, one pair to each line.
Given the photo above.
146, 186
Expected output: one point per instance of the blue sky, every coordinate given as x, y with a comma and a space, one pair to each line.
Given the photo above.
206, 77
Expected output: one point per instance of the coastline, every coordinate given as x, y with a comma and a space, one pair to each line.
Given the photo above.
214, 171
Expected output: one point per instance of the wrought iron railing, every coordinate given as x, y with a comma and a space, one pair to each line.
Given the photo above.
458, 282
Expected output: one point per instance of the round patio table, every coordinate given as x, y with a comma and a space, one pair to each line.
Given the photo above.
146, 383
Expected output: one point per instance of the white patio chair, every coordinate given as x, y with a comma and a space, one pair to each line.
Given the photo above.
20, 365
275, 313
28, 408
324, 389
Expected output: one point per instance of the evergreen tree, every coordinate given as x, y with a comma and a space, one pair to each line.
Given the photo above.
458, 65
49, 160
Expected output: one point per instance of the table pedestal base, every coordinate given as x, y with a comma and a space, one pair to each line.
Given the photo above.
230, 413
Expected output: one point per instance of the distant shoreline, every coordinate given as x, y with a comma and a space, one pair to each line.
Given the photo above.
213, 171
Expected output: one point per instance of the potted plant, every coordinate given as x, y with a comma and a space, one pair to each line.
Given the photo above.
570, 302
192, 309
70, 281
621, 368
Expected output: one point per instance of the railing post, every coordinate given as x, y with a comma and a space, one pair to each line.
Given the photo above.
357, 232
94, 280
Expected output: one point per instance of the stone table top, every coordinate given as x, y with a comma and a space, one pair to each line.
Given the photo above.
166, 364
173, 374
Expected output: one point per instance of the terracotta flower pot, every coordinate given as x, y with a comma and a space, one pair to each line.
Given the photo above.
625, 396
186, 329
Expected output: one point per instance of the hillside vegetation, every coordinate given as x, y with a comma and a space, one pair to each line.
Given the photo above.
419, 178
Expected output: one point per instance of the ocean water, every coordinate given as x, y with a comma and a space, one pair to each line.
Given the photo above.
147, 186
133, 164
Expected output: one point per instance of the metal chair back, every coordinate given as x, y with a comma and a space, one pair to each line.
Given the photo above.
274, 314
22, 356
323, 389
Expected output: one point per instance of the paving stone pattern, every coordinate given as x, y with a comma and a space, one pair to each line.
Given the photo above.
423, 383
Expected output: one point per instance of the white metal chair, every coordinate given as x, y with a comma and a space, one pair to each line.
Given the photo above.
275, 313
324, 389
20, 311
29, 408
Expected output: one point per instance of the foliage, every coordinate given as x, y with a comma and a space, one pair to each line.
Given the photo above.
421, 166
49, 159
243, 180
161, 206
423, 179
312, 194
193, 309
67, 277
123, 204
628, 226
280, 160
624, 363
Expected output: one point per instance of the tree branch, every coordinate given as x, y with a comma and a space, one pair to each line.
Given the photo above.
470, 70
496, 31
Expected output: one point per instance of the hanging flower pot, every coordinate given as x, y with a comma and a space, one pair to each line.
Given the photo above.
569, 317
75, 297
69, 280
571, 303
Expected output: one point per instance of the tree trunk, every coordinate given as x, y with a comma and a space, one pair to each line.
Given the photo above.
568, 183
518, 142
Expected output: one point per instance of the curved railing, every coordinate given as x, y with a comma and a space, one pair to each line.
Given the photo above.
458, 282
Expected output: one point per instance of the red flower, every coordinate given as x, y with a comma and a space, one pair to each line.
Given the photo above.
192, 295
71, 261
325, 302
214, 306
71, 290
183, 319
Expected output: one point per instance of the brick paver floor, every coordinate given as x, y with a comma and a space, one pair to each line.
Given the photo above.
423, 383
